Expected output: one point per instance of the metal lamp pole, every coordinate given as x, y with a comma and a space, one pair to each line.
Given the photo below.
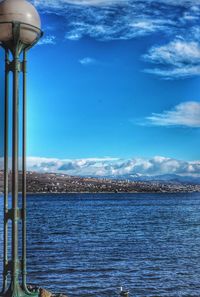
16, 37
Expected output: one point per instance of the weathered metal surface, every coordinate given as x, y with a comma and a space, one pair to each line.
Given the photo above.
15, 267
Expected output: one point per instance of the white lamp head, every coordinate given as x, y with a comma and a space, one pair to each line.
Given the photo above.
23, 12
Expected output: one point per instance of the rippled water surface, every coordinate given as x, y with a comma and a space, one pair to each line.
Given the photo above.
89, 245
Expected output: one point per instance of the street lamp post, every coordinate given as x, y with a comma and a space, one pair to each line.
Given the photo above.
19, 31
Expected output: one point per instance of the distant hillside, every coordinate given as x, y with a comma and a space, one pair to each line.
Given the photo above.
58, 183
168, 178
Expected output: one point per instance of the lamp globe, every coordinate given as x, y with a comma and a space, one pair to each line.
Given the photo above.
22, 12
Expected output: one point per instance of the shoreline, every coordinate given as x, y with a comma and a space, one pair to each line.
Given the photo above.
95, 193
64, 193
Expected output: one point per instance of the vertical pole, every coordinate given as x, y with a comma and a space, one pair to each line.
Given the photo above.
15, 211
14, 266
24, 176
6, 123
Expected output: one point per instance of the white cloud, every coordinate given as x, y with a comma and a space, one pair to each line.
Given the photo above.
95, 2
50, 39
121, 29
87, 61
58, 3
61, 3
177, 53
175, 73
73, 36
106, 20
178, 59
114, 167
89, 166
185, 114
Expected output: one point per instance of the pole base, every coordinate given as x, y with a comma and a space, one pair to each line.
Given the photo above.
19, 292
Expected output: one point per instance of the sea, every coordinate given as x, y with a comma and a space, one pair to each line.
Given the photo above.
93, 244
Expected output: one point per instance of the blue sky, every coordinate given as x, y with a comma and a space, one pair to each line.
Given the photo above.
114, 84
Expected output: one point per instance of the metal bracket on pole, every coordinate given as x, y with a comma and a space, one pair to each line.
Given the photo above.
9, 266
11, 66
10, 214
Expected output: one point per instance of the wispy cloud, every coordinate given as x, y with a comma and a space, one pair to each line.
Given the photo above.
50, 39
60, 3
106, 20
177, 59
123, 28
109, 19
185, 114
175, 73
95, 2
87, 61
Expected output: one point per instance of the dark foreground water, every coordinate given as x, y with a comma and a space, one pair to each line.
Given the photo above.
89, 245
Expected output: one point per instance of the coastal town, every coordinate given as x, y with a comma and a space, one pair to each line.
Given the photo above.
60, 183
